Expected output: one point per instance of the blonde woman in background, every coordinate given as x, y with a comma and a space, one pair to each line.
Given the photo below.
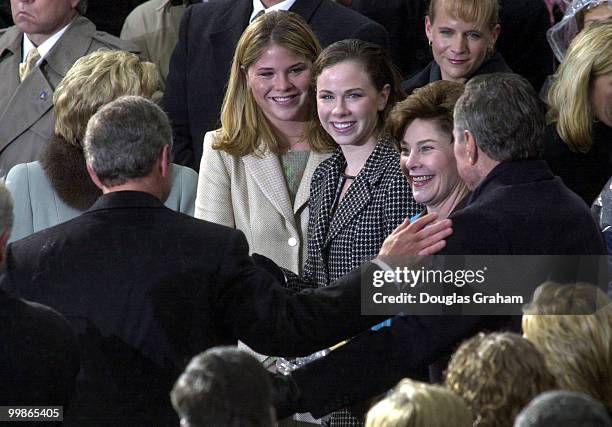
58, 188
255, 170
416, 404
571, 325
578, 138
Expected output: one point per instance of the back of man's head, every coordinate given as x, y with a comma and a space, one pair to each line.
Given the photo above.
125, 138
563, 408
226, 387
504, 114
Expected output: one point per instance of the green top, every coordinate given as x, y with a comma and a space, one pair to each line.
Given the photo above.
294, 164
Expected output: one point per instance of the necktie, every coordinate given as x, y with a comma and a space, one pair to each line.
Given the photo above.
29, 64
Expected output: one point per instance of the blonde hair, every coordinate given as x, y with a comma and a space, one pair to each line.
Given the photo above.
417, 404
244, 127
589, 56
95, 80
497, 375
572, 326
485, 13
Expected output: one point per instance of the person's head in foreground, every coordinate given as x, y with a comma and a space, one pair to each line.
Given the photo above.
498, 118
416, 404
127, 147
581, 93
571, 325
563, 408
423, 126
223, 386
462, 35
497, 374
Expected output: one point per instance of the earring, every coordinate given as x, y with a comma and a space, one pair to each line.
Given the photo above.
429, 42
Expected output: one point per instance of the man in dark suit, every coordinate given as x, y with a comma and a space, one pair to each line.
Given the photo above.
147, 288
517, 207
39, 353
201, 61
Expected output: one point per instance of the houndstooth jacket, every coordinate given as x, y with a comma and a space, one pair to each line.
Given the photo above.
375, 204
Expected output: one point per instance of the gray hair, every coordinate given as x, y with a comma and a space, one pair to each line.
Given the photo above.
504, 114
563, 408
82, 7
6, 208
125, 138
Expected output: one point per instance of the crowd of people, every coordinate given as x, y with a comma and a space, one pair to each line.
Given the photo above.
238, 173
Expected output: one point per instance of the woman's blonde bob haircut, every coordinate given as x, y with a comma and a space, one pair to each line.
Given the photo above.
244, 127
589, 56
484, 13
417, 404
572, 326
95, 80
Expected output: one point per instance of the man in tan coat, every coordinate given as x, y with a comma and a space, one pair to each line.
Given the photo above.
56, 34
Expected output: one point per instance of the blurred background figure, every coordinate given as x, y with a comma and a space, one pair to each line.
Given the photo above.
154, 26
423, 126
256, 169
462, 35
35, 54
224, 386
39, 352
579, 15
58, 188
563, 408
571, 325
497, 374
416, 404
578, 138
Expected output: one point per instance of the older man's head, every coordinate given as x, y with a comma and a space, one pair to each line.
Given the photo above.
40, 19
498, 118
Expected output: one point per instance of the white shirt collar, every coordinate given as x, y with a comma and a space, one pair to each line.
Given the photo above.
44, 47
258, 6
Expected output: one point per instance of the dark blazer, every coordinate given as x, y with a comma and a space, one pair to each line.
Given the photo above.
143, 298
520, 208
200, 64
377, 202
39, 354
583, 173
432, 73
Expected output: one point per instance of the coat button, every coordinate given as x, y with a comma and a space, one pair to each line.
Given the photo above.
292, 241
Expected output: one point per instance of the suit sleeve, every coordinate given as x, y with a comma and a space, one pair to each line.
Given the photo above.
273, 320
18, 184
174, 101
375, 361
214, 196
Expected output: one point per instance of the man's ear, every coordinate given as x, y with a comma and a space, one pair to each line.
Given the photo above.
165, 160
94, 177
471, 148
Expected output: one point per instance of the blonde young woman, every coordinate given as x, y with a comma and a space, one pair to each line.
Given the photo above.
462, 35
256, 169
58, 188
578, 139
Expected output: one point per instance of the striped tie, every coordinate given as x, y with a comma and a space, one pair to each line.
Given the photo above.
29, 64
